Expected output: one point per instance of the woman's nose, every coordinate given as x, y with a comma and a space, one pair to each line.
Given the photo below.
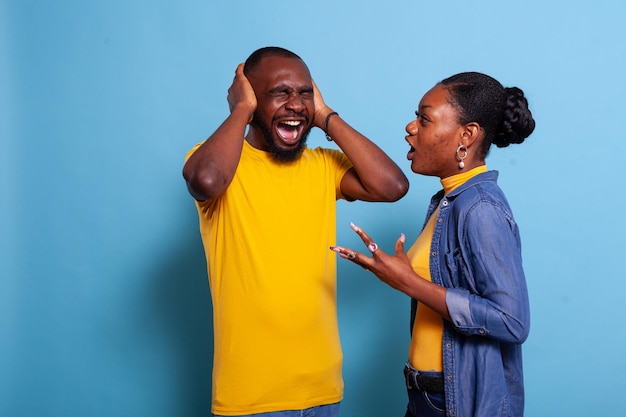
411, 128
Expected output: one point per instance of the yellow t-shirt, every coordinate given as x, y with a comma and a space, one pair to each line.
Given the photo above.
425, 351
272, 279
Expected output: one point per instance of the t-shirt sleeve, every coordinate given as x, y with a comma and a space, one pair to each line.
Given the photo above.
339, 165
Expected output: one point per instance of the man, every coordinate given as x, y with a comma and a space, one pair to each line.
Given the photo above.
267, 212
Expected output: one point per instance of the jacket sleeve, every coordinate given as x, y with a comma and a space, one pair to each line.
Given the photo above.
493, 301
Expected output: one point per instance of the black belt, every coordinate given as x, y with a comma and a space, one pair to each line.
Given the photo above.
415, 379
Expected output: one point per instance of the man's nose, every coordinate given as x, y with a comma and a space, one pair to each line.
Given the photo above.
295, 103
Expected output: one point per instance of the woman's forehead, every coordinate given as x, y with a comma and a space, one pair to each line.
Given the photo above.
436, 97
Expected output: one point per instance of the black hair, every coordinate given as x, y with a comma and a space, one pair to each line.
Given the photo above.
255, 58
501, 112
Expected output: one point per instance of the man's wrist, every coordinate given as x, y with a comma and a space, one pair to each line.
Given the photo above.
326, 121
243, 111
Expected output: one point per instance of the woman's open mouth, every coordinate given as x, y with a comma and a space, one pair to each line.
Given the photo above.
410, 154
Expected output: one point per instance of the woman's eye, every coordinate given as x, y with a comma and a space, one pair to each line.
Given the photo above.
421, 116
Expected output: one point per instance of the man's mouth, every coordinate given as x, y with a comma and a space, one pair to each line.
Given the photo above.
290, 130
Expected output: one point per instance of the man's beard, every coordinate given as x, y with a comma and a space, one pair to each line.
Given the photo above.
276, 153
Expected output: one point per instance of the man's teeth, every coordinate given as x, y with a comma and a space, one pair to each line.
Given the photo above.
292, 123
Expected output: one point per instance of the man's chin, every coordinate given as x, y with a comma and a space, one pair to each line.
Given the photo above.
287, 155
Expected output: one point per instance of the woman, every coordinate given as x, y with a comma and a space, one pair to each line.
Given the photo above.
470, 311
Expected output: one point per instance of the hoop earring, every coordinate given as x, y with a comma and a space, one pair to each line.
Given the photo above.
461, 154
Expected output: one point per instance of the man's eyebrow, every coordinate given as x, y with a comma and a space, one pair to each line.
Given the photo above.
285, 88
280, 88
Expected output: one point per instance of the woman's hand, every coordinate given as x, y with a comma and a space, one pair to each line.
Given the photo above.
395, 270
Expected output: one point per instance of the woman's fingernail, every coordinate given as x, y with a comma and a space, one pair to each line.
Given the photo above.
402, 237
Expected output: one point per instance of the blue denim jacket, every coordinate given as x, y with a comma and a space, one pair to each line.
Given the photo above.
476, 254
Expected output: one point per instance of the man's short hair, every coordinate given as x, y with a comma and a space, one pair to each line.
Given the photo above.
255, 58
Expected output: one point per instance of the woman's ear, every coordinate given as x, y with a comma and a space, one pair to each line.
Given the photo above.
472, 132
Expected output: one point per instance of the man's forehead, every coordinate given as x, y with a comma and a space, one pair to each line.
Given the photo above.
276, 70
274, 63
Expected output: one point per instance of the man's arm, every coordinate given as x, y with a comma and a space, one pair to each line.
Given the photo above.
374, 176
210, 169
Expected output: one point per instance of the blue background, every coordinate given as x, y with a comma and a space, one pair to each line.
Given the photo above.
104, 303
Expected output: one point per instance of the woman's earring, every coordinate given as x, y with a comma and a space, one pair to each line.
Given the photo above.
461, 154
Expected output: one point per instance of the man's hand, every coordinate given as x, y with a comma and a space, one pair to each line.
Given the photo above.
321, 109
241, 94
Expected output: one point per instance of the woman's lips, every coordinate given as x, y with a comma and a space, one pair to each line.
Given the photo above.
410, 154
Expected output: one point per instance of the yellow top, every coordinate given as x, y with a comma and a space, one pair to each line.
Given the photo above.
272, 280
425, 351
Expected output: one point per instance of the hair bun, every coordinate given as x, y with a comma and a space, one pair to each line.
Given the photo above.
517, 123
